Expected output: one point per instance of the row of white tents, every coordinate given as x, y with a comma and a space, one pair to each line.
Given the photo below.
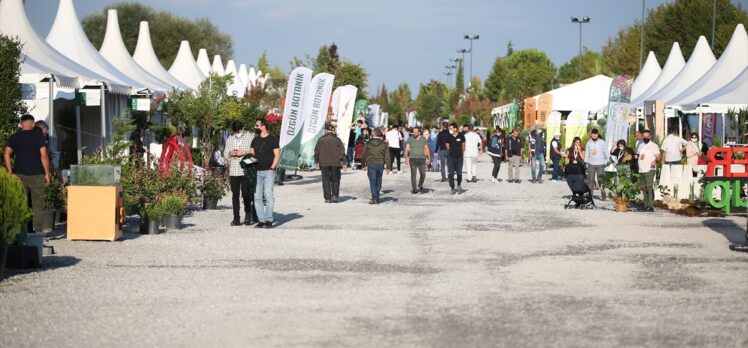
65, 64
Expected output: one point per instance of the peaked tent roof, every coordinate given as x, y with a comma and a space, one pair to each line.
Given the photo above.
203, 62
252, 77
243, 74
732, 63
185, 68
33, 72
14, 22
673, 66
231, 69
698, 64
114, 50
217, 66
735, 92
591, 94
67, 37
146, 57
650, 71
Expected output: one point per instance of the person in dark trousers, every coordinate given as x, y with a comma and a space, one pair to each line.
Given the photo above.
28, 150
376, 156
441, 149
556, 153
329, 154
238, 145
455, 148
418, 156
496, 151
267, 151
394, 137
513, 152
536, 141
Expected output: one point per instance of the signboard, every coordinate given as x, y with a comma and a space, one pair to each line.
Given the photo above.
617, 127
576, 126
530, 112
729, 182
545, 106
708, 127
93, 97
140, 104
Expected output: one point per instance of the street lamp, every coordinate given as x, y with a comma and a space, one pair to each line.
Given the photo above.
449, 77
580, 21
641, 38
471, 38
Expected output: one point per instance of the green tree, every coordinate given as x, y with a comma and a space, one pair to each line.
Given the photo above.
531, 72
682, 21
509, 48
460, 78
167, 31
262, 62
352, 74
496, 83
11, 106
383, 99
593, 64
432, 102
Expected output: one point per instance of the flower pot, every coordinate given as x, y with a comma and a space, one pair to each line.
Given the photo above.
172, 222
622, 205
61, 217
36, 240
3, 255
47, 218
149, 227
210, 203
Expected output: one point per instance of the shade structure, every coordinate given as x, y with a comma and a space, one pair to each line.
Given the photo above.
203, 62
735, 92
252, 77
732, 63
15, 23
231, 69
647, 76
34, 72
672, 68
67, 37
146, 57
114, 50
591, 94
185, 68
237, 87
242, 74
217, 67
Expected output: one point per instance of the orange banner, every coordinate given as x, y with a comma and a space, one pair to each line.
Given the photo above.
530, 112
545, 106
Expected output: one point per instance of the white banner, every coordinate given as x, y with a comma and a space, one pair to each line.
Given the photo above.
343, 107
617, 127
293, 116
314, 112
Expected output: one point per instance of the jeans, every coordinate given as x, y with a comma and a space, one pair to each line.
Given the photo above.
496, 166
350, 155
472, 167
514, 167
375, 172
455, 167
34, 185
538, 159
434, 162
420, 165
647, 187
594, 174
239, 184
264, 195
443, 163
395, 155
330, 181
554, 174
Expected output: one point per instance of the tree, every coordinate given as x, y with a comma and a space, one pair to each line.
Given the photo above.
262, 62
478, 107
382, 99
401, 101
531, 72
460, 78
682, 21
432, 102
11, 106
167, 31
593, 64
352, 74
509, 48
496, 83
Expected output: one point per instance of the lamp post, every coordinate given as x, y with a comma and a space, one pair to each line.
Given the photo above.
471, 38
641, 39
580, 21
450, 67
714, 21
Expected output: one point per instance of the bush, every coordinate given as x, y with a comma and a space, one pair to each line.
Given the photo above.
213, 187
173, 205
54, 198
14, 210
11, 106
151, 212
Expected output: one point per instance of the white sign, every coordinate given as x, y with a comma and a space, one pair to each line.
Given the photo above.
93, 97
143, 104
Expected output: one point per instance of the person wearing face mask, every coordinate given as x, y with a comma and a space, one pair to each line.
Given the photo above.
556, 154
455, 150
693, 153
649, 154
672, 148
622, 154
596, 156
237, 146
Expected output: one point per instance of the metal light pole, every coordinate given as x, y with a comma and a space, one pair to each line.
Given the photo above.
450, 67
449, 77
714, 21
641, 39
580, 21
471, 38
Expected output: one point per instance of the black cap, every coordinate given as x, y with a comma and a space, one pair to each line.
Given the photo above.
329, 126
27, 117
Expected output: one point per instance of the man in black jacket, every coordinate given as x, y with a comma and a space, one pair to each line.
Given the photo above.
513, 152
329, 154
441, 149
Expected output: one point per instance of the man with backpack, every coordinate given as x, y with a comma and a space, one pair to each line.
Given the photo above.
513, 152
496, 152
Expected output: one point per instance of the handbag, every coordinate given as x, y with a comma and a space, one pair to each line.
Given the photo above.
611, 168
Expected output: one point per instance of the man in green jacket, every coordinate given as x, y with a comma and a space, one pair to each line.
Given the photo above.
329, 155
376, 156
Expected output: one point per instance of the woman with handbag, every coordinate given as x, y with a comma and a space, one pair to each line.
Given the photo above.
622, 155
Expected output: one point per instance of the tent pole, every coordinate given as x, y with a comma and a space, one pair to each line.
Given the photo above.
103, 116
78, 142
51, 118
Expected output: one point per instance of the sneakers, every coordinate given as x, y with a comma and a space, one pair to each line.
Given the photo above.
498, 180
533, 181
459, 187
372, 201
260, 225
493, 179
248, 221
414, 191
236, 222
453, 192
328, 201
334, 199
268, 224
540, 181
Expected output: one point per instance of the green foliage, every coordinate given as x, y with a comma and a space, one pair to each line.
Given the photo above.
382, 99
432, 102
622, 185
262, 62
180, 183
460, 77
352, 74
163, 133
496, 84
173, 205
328, 60
152, 212
401, 101
213, 186
593, 64
14, 210
54, 194
11, 106
116, 151
522, 74
167, 31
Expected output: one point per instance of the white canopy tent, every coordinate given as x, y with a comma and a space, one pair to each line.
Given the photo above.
236, 87
591, 94
252, 77
146, 57
735, 92
185, 68
34, 72
673, 66
647, 76
217, 66
203, 62
243, 74
231, 69
114, 50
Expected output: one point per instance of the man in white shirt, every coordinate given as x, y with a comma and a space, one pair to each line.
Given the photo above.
472, 151
393, 138
649, 154
673, 147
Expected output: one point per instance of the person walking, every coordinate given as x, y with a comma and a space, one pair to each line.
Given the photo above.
376, 156
596, 155
556, 154
496, 152
441, 149
693, 153
537, 155
238, 145
27, 151
266, 150
418, 157
672, 148
473, 149
455, 148
394, 137
649, 154
431, 137
513, 152
328, 155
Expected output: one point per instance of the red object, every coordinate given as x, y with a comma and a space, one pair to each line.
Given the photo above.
175, 145
273, 117
726, 162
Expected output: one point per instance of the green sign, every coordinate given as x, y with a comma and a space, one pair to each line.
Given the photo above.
730, 195
80, 99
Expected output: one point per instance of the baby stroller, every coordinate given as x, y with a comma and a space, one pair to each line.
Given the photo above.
581, 195
358, 153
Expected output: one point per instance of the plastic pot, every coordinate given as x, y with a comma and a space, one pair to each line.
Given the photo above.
210, 203
172, 222
3, 256
150, 227
47, 218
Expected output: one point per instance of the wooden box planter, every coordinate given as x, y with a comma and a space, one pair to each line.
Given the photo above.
95, 213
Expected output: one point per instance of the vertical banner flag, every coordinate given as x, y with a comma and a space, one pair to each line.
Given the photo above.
545, 106
513, 114
617, 127
293, 118
576, 126
344, 111
553, 126
530, 112
708, 127
361, 111
315, 107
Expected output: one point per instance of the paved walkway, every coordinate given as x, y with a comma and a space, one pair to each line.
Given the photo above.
500, 265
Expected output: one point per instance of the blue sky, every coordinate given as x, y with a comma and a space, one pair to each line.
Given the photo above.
396, 41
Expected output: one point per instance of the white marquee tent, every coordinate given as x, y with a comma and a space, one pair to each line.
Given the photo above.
217, 66
647, 76
673, 66
146, 57
735, 92
185, 68
590, 94
243, 74
252, 77
203, 62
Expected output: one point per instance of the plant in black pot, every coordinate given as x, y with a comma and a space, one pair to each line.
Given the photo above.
150, 218
173, 208
213, 189
14, 213
53, 203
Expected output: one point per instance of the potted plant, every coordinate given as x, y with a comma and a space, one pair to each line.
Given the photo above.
213, 189
621, 188
53, 202
173, 207
14, 213
150, 218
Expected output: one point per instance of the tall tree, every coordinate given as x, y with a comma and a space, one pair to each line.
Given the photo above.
531, 72
460, 78
383, 99
11, 106
352, 74
401, 101
497, 81
593, 64
262, 62
432, 102
509, 48
167, 31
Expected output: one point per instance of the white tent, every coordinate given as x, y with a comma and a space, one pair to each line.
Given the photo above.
231, 69
242, 74
735, 92
673, 66
698, 64
732, 63
203, 62
146, 57
185, 68
591, 94
217, 66
647, 76
34, 72
236, 87
114, 50
252, 77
